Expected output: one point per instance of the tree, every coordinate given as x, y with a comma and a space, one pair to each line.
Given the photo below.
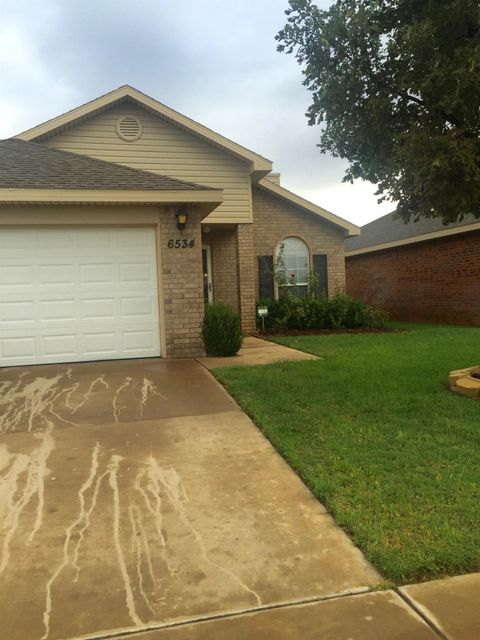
396, 88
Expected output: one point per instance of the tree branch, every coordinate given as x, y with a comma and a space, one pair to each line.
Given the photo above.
448, 117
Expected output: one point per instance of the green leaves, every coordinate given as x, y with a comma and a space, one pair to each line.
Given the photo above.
221, 331
396, 86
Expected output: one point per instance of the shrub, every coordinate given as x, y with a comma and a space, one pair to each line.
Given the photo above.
221, 330
341, 311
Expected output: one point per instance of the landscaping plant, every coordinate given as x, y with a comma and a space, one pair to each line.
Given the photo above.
341, 311
221, 330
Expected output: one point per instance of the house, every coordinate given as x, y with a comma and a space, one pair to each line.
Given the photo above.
120, 219
421, 271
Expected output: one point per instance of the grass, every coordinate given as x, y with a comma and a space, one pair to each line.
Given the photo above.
374, 431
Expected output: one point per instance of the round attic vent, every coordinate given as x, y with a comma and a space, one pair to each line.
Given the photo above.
129, 128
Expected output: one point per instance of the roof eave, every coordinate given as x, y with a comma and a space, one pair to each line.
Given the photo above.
349, 228
208, 198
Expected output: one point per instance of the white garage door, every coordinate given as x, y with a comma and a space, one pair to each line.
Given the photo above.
77, 293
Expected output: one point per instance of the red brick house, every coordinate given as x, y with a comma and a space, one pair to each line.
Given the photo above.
421, 271
120, 219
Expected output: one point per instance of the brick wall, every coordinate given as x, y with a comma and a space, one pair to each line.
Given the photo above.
235, 251
274, 219
182, 284
246, 277
233, 270
223, 244
433, 281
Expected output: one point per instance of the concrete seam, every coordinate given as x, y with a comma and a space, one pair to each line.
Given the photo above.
131, 633
421, 614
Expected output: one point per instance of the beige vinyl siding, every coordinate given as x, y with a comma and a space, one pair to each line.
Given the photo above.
166, 149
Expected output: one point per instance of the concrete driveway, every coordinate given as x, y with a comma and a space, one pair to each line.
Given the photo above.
136, 496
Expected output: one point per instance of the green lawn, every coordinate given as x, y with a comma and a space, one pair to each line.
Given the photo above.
374, 431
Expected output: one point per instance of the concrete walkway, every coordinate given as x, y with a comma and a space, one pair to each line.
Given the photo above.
439, 610
137, 500
257, 351
452, 605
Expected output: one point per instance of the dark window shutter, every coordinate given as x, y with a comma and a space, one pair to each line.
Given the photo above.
321, 271
265, 277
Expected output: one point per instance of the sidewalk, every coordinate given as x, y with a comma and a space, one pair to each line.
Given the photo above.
257, 351
439, 610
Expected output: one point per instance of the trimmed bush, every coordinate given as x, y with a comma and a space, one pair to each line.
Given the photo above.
221, 330
339, 312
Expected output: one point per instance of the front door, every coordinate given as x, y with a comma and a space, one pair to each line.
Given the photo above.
207, 274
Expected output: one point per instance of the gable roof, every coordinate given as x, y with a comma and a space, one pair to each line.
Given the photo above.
260, 165
31, 172
273, 188
391, 231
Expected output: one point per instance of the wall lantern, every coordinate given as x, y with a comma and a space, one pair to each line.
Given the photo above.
182, 217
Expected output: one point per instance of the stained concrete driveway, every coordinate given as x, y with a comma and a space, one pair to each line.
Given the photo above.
136, 495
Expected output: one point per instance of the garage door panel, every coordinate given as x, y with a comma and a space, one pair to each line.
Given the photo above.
76, 241
16, 276
56, 274
97, 273
16, 311
16, 348
101, 343
87, 307
59, 345
59, 310
138, 307
14, 243
138, 238
95, 238
100, 308
140, 273
52, 238
138, 340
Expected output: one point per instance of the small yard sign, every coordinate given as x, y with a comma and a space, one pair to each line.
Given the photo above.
262, 313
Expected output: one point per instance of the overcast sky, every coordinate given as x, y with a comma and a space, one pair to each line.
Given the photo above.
212, 60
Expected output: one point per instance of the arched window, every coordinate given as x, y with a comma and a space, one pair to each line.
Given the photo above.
292, 266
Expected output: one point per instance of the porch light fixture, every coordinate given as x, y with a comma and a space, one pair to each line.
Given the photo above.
182, 217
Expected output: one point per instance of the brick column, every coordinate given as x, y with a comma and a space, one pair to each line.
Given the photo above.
246, 278
182, 286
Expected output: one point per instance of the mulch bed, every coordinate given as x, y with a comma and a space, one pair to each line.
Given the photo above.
315, 332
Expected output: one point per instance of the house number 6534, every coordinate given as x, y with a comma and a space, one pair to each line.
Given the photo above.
181, 244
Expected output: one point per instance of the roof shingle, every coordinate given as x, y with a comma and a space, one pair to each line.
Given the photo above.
28, 165
389, 228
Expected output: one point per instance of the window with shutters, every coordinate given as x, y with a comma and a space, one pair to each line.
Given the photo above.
292, 266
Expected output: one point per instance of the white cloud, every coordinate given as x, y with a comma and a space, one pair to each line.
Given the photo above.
356, 202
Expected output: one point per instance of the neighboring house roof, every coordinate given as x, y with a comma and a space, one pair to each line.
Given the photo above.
275, 189
390, 231
260, 165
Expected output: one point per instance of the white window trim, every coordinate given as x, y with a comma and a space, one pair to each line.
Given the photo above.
297, 284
